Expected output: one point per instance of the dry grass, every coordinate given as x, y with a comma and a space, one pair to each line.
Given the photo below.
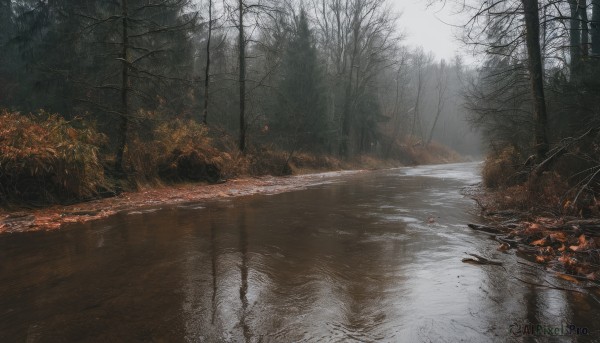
303, 163
44, 158
502, 170
47, 159
511, 187
170, 150
413, 152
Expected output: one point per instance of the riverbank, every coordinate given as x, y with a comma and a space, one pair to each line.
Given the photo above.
245, 175
566, 245
54, 217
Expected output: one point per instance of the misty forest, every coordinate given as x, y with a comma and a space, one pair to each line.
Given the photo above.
244, 87
119, 107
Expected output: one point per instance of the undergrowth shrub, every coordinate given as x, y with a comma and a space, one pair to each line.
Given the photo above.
267, 160
303, 161
44, 158
515, 186
545, 193
411, 151
172, 150
502, 169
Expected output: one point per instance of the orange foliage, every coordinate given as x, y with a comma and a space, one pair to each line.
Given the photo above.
44, 158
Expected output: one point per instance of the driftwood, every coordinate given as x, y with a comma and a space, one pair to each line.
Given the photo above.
480, 260
589, 227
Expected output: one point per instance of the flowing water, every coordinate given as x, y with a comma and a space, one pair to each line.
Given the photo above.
373, 256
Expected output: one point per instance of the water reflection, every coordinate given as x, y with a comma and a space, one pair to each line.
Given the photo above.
356, 260
244, 274
213, 260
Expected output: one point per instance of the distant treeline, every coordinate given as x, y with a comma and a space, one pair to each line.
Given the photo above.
330, 77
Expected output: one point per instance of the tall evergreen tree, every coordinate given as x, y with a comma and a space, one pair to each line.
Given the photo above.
301, 102
6, 31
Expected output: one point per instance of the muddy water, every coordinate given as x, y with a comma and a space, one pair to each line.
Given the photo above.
368, 257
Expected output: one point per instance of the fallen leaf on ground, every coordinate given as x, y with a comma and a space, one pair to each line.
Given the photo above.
584, 244
567, 277
543, 258
558, 237
567, 260
503, 247
531, 229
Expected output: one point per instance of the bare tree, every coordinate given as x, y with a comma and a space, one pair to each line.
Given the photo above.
142, 41
441, 87
399, 98
595, 27
575, 40
242, 77
207, 68
359, 38
536, 76
585, 32
420, 61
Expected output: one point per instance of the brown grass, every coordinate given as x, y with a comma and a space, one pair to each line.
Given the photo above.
414, 152
44, 158
511, 187
158, 149
502, 170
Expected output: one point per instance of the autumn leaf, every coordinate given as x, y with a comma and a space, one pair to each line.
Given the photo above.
584, 244
567, 260
72, 133
567, 277
503, 247
543, 258
558, 237
532, 228
548, 250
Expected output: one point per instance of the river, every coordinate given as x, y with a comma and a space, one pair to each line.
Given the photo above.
373, 256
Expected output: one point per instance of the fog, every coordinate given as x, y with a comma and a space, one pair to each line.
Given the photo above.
373, 77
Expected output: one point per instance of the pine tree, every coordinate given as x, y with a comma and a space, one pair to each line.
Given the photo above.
301, 103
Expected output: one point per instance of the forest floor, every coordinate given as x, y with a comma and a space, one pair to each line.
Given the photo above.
54, 217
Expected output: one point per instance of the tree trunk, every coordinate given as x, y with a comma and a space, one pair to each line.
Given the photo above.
416, 113
242, 56
5, 21
575, 40
441, 88
345, 143
396, 113
124, 122
437, 117
348, 100
532, 36
440, 104
207, 70
595, 27
585, 33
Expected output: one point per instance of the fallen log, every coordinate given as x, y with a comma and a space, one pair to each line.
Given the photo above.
480, 260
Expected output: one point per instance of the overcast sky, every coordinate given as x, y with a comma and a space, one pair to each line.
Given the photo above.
423, 26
